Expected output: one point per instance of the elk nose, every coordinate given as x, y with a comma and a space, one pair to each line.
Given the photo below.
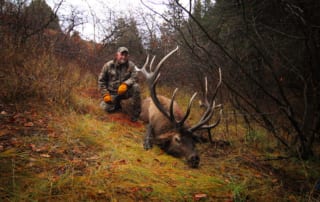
194, 160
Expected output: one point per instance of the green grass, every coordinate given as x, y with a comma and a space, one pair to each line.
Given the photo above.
87, 156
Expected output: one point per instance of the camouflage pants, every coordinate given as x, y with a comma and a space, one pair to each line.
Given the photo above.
133, 102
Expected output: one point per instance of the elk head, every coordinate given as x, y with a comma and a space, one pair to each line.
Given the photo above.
167, 126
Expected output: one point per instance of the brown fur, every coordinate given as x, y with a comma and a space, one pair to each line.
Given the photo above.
150, 114
173, 139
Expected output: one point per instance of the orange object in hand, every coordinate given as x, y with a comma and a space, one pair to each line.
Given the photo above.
122, 89
107, 98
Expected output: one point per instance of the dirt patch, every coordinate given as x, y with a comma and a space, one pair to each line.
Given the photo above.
123, 119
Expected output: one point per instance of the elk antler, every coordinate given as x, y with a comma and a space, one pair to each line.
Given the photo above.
152, 77
210, 108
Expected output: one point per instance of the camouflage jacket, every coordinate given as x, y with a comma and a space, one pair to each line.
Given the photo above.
113, 74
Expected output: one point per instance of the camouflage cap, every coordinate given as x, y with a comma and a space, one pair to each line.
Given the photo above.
122, 49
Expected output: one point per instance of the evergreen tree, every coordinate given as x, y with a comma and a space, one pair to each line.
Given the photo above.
127, 35
39, 15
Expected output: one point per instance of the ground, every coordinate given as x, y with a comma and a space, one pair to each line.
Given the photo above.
50, 153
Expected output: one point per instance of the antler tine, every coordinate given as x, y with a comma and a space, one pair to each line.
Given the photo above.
206, 102
205, 118
210, 108
153, 94
181, 122
214, 124
184, 118
206, 86
157, 69
212, 101
172, 117
209, 127
143, 68
219, 82
151, 63
145, 63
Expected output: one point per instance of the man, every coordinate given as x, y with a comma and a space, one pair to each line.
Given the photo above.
118, 81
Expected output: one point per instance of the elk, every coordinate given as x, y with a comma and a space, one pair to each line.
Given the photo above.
166, 123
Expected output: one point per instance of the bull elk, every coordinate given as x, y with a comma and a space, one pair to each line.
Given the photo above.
166, 124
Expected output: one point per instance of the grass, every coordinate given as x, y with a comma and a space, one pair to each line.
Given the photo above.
82, 154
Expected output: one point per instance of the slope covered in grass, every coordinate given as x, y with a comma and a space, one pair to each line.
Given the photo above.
79, 153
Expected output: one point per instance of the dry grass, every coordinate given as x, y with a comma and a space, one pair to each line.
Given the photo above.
82, 154
39, 76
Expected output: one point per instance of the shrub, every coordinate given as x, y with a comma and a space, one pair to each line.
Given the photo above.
40, 76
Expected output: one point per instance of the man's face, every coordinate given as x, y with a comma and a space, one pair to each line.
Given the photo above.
122, 57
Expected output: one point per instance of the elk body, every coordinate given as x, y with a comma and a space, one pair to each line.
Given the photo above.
162, 132
166, 123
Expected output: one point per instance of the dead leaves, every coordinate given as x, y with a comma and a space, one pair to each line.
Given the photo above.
93, 158
15, 125
38, 149
4, 113
28, 124
27, 119
45, 155
4, 132
199, 196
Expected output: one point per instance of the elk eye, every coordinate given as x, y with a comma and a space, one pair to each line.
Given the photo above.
177, 139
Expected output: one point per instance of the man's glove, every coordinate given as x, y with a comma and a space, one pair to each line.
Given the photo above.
122, 89
107, 98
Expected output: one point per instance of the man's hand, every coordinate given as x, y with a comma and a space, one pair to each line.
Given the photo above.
107, 98
122, 89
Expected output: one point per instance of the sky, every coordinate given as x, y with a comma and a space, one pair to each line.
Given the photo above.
99, 7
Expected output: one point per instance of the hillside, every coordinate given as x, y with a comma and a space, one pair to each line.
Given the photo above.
50, 153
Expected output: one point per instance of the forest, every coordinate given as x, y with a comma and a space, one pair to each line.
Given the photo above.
57, 144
